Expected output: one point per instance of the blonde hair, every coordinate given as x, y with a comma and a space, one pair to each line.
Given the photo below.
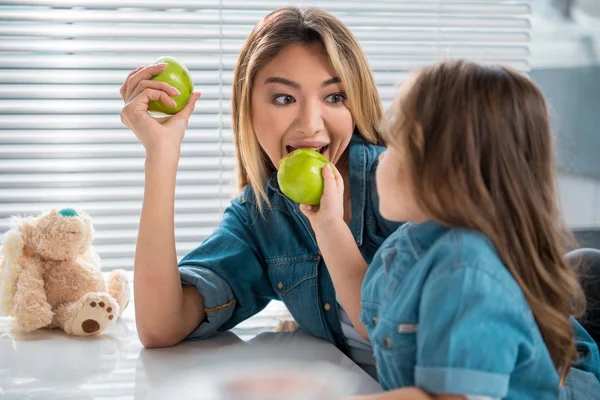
476, 143
284, 27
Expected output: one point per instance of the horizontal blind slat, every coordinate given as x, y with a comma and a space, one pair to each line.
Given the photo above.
381, 20
96, 208
106, 121
126, 62
19, 91
102, 136
406, 6
65, 151
201, 49
130, 222
169, 32
110, 179
107, 193
108, 165
89, 106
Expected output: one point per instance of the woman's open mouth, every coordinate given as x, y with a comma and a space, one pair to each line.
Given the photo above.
321, 149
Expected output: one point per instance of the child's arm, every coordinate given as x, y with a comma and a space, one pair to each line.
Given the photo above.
344, 261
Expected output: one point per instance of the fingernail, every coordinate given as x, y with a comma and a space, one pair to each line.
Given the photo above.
177, 92
161, 65
174, 103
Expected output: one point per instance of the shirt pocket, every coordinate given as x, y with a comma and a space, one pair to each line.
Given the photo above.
368, 315
294, 279
395, 347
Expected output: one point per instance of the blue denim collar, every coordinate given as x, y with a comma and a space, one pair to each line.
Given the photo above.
358, 186
423, 236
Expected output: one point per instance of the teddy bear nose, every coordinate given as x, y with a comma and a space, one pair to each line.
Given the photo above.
68, 212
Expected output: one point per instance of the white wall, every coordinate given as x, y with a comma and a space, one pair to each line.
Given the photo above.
580, 199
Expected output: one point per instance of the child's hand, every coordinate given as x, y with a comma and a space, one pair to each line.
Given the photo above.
331, 208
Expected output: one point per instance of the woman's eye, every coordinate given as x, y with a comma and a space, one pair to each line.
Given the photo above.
283, 99
335, 98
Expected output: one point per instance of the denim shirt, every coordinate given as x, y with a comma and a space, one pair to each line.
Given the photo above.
444, 314
251, 259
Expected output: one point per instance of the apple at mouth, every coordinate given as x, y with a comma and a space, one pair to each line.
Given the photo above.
321, 149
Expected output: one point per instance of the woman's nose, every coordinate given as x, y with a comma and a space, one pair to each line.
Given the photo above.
310, 120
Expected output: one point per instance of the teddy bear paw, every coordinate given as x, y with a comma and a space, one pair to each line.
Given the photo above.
32, 313
97, 311
32, 322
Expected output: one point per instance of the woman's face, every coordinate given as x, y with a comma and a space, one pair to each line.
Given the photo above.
298, 101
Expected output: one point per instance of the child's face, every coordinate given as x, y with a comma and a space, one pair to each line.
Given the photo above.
394, 187
298, 102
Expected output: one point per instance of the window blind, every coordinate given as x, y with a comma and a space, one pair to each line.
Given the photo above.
62, 62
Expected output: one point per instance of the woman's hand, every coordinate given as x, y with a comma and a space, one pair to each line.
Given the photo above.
331, 209
154, 134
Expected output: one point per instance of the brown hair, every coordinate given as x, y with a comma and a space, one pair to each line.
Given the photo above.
477, 145
284, 27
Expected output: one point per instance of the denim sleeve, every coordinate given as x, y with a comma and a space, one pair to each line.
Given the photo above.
589, 356
228, 271
470, 330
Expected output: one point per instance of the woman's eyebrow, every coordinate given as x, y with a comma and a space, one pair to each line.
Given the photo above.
295, 85
287, 82
332, 81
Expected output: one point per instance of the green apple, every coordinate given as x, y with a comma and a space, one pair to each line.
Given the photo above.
300, 176
178, 76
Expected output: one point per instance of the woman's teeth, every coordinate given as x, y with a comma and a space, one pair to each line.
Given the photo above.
319, 149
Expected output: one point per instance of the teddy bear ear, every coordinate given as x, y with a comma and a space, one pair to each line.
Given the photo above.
85, 217
18, 235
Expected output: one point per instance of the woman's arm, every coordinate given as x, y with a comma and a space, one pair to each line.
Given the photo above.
165, 312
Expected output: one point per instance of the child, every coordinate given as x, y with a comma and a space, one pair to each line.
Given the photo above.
472, 298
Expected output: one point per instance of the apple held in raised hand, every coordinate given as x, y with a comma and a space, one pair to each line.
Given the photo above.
177, 75
300, 176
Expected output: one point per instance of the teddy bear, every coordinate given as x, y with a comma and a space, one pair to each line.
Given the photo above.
50, 276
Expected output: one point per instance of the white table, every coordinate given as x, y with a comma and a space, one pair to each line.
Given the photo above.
52, 365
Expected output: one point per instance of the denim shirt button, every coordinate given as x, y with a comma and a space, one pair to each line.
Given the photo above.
327, 307
387, 342
374, 320
280, 285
